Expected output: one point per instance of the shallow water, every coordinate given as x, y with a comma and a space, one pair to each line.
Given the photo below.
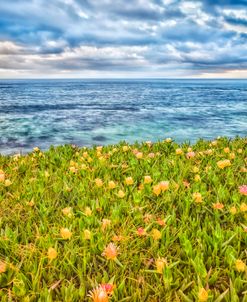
87, 112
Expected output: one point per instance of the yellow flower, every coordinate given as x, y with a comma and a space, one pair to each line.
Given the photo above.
73, 169
85, 154
2, 176
189, 149
125, 148
179, 151
240, 151
233, 210
160, 265
83, 166
98, 182
121, 194
139, 155
156, 234
88, 211
129, 181
65, 233
240, 265
195, 169
7, 183
197, 177
36, 149
197, 197
168, 140
111, 251
149, 143
226, 150
214, 143
202, 295
147, 179
156, 190
105, 223
243, 207
47, 174
164, 185
3, 267
99, 148
111, 184
67, 212
87, 234
223, 163
52, 253
232, 155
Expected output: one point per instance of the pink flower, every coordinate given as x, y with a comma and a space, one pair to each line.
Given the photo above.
141, 232
243, 190
190, 154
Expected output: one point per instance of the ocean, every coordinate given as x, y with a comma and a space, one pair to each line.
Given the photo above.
98, 112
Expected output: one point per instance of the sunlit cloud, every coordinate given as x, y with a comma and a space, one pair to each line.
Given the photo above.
144, 38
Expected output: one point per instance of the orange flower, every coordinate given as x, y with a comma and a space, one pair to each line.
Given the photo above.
156, 190
218, 206
117, 238
111, 184
223, 163
202, 295
226, 150
147, 179
3, 267
65, 233
129, 181
2, 176
161, 222
164, 185
52, 253
111, 251
99, 294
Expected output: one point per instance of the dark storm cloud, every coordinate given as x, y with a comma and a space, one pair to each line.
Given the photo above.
138, 35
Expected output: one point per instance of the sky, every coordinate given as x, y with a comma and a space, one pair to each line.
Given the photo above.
123, 38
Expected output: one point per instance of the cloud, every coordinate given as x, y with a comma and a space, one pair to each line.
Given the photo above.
141, 37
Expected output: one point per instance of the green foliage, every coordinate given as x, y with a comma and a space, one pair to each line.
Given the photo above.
196, 240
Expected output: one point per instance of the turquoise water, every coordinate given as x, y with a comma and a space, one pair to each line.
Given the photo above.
97, 112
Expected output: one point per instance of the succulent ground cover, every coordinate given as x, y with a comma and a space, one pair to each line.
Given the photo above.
142, 222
